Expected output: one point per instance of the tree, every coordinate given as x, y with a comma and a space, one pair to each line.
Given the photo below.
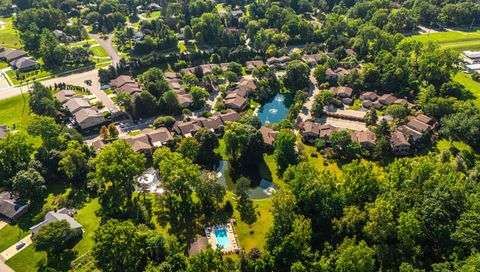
284, 145
29, 184
321, 100
463, 125
120, 246
343, 146
252, 120
41, 101
47, 129
244, 203
144, 104
210, 193
243, 143
179, 176
352, 256
164, 121
50, 49
170, 102
53, 237
319, 73
112, 131
115, 169
154, 82
16, 150
371, 117
297, 75
199, 96
398, 112
189, 148
74, 162
208, 143
359, 183
188, 34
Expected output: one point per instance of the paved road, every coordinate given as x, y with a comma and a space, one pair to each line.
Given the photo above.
108, 46
305, 113
5, 268
74, 79
12, 250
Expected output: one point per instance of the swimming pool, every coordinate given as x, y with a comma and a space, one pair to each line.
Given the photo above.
221, 238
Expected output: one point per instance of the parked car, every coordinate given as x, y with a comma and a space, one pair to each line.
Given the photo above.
20, 245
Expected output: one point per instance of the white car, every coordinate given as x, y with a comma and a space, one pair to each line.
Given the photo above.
19, 245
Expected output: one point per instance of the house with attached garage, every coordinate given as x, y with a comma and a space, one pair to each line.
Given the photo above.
55, 216
11, 206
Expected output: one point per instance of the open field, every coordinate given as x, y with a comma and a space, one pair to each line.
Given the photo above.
469, 84
9, 37
14, 110
456, 40
98, 51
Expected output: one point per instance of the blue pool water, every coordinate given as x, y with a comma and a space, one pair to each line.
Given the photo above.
275, 110
221, 238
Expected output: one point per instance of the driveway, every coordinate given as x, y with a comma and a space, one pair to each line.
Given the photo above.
305, 113
5, 268
2, 224
12, 251
108, 46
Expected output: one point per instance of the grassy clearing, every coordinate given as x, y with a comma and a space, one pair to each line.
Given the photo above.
28, 76
469, 84
26, 260
9, 37
98, 51
444, 144
255, 236
455, 40
15, 111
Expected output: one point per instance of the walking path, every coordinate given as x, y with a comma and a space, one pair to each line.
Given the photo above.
5, 268
12, 250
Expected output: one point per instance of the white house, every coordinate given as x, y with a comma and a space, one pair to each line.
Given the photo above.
55, 217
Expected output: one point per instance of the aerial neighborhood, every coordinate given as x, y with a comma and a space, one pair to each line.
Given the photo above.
249, 136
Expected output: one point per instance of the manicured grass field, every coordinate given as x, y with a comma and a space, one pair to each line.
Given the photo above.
15, 110
10, 235
469, 84
26, 260
456, 40
31, 76
255, 236
9, 37
445, 144
98, 51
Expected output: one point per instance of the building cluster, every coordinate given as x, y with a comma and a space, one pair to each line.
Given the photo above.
402, 139
216, 123
372, 99
86, 115
185, 99
471, 61
144, 142
411, 134
237, 96
18, 60
125, 84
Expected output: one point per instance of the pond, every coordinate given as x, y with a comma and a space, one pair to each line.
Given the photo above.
264, 189
275, 110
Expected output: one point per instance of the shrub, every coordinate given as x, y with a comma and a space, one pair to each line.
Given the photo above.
164, 121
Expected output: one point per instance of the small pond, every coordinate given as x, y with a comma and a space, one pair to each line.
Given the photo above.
264, 189
275, 110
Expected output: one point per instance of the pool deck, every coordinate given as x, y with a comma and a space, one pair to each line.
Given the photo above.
232, 238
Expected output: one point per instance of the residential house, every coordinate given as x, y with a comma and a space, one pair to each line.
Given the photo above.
253, 64
311, 131
75, 104
333, 75
154, 7
11, 206
10, 55
387, 99
230, 116
370, 96
64, 95
365, 138
236, 13
246, 86
159, 137
235, 101
269, 135
213, 123
279, 63
24, 64
400, 145
343, 92
55, 216
350, 52
98, 145
186, 129
185, 100
125, 84
140, 143
4, 130
89, 117
312, 59
61, 36
471, 57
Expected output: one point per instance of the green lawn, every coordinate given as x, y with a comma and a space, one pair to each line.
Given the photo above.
9, 37
33, 75
15, 110
254, 236
469, 84
456, 40
445, 144
3, 65
98, 51
26, 260
10, 235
